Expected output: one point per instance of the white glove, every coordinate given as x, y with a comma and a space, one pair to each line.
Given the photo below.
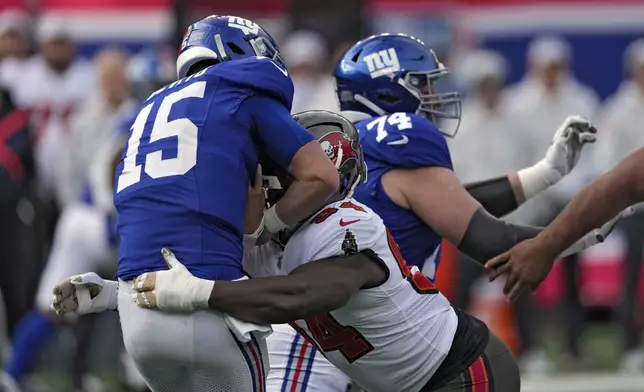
561, 157
598, 235
86, 293
173, 290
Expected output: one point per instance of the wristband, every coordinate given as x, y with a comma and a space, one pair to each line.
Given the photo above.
537, 178
273, 222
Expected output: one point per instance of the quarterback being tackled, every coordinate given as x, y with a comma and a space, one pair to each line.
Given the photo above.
339, 278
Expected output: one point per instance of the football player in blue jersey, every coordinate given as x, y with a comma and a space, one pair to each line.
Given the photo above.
390, 85
183, 181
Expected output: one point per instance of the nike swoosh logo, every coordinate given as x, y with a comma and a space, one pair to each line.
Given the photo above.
285, 72
403, 140
347, 223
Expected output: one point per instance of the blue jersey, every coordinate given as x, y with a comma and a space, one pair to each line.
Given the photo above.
394, 141
183, 179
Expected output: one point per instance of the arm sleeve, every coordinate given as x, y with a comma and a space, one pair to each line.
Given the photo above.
274, 130
487, 236
495, 195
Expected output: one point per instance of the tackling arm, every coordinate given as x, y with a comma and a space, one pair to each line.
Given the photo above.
311, 289
314, 288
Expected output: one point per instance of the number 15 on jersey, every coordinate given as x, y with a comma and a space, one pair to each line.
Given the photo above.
185, 130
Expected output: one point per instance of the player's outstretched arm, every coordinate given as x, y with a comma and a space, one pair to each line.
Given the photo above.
460, 219
500, 196
294, 149
313, 288
528, 263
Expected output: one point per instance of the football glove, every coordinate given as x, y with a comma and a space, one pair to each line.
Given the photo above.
561, 157
86, 293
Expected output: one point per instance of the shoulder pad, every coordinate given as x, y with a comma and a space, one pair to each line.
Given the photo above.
341, 228
403, 139
259, 73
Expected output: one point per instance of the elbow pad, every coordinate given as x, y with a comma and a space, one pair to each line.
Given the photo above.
487, 236
495, 195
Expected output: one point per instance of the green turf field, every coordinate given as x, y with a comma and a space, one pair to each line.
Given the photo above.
600, 345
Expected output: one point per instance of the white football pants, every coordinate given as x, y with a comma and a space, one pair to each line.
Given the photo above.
192, 352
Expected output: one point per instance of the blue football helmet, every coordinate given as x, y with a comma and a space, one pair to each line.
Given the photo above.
389, 73
220, 38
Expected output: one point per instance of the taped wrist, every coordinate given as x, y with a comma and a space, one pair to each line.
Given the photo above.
487, 236
536, 179
495, 195
249, 240
200, 290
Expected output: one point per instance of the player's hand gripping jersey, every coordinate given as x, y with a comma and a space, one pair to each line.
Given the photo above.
392, 337
183, 178
402, 140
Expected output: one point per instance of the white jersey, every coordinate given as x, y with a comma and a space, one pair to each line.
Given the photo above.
389, 338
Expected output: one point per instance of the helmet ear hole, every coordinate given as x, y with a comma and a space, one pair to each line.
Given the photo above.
234, 48
386, 98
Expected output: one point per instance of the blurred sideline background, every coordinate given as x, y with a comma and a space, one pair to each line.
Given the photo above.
522, 66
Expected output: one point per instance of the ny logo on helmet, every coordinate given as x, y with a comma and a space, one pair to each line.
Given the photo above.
244, 25
382, 62
186, 38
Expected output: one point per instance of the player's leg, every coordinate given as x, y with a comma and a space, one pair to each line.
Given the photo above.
80, 241
496, 370
189, 352
295, 365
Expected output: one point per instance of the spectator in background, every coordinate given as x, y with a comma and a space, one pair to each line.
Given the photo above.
549, 92
621, 121
95, 117
486, 124
15, 36
545, 97
16, 171
307, 59
52, 84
